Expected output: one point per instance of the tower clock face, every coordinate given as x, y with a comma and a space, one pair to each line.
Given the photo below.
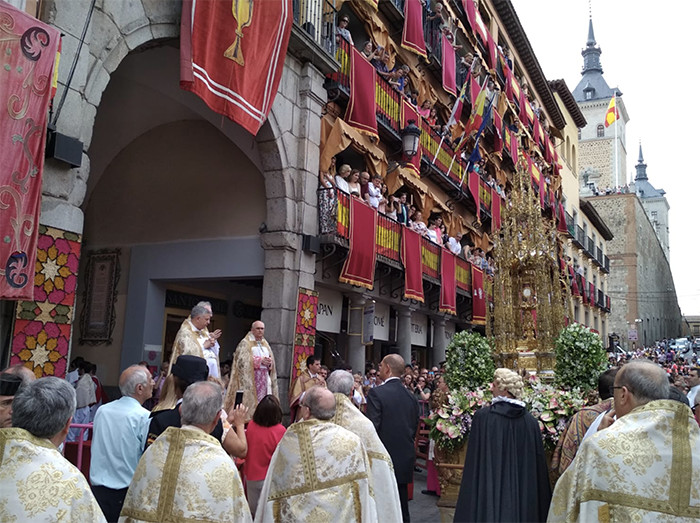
527, 292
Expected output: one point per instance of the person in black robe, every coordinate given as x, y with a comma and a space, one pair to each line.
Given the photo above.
505, 473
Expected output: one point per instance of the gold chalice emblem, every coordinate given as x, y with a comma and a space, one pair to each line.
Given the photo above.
243, 14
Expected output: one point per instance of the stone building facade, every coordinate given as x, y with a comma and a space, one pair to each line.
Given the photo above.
640, 281
173, 203
190, 205
587, 236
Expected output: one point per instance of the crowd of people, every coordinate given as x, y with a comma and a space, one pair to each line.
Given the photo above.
205, 452
373, 190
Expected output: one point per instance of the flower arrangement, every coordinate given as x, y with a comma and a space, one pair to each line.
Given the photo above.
450, 423
469, 363
552, 408
580, 358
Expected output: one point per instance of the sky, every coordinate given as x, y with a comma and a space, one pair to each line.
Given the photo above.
649, 52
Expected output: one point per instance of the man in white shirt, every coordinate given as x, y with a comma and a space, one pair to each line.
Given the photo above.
693, 382
374, 191
454, 244
120, 430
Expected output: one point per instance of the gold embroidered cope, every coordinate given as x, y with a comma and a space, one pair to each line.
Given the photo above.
243, 375
319, 472
185, 476
645, 467
383, 479
38, 484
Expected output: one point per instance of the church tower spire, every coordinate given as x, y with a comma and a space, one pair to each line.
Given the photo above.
641, 167
591, 54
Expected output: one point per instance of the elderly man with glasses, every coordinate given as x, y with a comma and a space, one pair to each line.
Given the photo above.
643, 462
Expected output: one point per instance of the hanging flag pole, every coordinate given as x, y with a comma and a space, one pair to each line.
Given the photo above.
611, 117
457, 107
617, 162
475, 156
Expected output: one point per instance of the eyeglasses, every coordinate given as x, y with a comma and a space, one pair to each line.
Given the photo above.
345, 20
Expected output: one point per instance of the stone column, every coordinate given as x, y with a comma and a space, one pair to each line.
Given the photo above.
439, 341
404, 334
289, 150
356, 350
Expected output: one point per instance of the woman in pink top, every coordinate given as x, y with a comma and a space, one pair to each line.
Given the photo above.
264, 432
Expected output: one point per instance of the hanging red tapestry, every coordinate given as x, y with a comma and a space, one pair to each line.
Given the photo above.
478, 297
448, 282
232, 55
361, 112
412, 263
28, 56
358, 268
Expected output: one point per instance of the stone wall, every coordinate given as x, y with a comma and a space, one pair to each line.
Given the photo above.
288, 143
640, 283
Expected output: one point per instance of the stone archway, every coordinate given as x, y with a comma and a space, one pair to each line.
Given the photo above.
288, 147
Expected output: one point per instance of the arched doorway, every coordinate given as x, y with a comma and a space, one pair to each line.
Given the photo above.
180, 204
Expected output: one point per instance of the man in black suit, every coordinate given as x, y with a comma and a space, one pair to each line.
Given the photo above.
394, 412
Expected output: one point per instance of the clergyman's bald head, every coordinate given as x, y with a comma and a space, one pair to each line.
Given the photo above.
321, 403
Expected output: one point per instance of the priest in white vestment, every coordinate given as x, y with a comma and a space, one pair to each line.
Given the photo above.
348, 416
185, 475
645, 466
36, 482
319, 472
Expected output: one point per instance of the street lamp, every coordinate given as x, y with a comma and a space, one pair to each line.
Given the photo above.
410, 139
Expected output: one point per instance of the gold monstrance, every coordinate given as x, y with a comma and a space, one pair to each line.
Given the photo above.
243, 14
530, 298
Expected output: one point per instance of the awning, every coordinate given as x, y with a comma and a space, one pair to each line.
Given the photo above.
336, 136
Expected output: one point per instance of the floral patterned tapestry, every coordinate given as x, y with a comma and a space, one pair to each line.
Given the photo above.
28, 50
43, 327
305, 331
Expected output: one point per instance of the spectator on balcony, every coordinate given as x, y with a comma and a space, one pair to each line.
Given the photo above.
383, 206
401, 208
328, 177
341, 179
397, 77
490, 265
443, 229
450, 37
342, 30
373, 196
434, 229
425, 109
418, 225
455, 244
364, 185
370, 52
353, 180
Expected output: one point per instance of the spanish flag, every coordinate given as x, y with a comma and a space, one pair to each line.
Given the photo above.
612, 113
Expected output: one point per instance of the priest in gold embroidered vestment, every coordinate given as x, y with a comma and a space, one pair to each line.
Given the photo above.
253, 371
348, 416
193, 336
645, 466
319, 472
185, 475
36, 482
